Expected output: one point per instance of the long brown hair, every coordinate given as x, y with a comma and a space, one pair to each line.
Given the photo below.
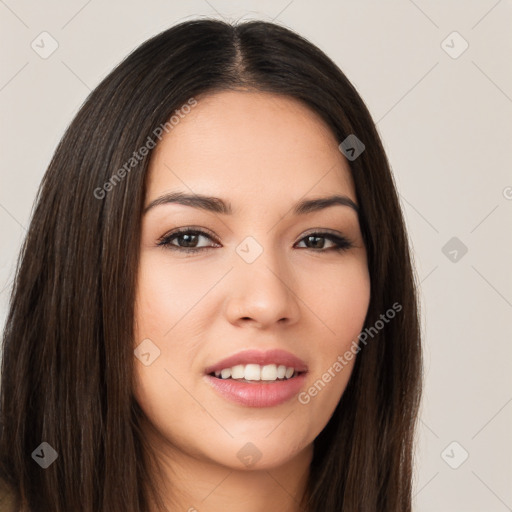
67, 368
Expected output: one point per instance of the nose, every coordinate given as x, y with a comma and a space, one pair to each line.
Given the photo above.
262, 292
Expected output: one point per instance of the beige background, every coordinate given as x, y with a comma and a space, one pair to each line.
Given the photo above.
446, 124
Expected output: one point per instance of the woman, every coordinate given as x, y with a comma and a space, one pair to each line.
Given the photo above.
215, 305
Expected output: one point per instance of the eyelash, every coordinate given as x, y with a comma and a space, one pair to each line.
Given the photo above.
341, 243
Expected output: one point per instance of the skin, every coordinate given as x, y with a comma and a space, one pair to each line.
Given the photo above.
263, 153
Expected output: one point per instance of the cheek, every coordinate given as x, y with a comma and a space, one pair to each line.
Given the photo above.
168, 409
342, 303
342, 308
164, 296
333, 301
166, 293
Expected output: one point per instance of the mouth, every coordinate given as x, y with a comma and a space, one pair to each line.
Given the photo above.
258, 379
257, 374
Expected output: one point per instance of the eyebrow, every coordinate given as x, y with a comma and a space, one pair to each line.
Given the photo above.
218, 205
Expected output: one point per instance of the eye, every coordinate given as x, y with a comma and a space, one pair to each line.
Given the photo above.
317, 238
188, 238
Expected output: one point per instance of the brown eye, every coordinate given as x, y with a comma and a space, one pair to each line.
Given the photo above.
317, 241
188, 240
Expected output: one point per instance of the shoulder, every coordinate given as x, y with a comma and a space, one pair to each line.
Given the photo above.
7, 501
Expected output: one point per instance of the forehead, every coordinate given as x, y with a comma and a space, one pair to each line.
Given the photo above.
253, 144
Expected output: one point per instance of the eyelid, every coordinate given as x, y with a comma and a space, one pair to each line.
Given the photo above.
323, 231
186, 229
340, 241
311, 231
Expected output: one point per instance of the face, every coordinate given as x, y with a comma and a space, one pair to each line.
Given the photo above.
262, 282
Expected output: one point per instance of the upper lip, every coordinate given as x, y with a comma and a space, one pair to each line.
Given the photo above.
276, 356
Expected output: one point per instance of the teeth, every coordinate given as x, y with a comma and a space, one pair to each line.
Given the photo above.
255, 372
238, 372
252, 372
269, 372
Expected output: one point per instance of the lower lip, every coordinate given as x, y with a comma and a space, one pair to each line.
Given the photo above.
258, 394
